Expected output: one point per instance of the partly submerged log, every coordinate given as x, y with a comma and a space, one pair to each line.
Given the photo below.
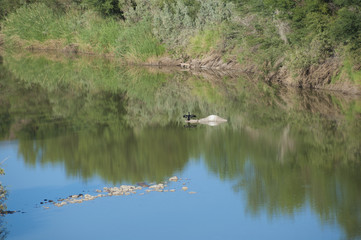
211, 120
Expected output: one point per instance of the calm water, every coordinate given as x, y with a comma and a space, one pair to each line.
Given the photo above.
286, 165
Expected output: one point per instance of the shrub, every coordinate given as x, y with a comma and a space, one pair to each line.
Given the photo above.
175, 23
172, 25
347, 27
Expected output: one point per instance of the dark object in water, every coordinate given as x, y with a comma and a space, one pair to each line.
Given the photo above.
189, 116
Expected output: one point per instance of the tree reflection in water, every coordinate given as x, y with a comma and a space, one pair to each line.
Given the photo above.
283, 148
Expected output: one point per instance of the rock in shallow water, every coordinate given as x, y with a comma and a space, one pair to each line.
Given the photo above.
173, 179
121, 190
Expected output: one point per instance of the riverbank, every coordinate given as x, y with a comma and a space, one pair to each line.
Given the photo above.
318, 77
215, 36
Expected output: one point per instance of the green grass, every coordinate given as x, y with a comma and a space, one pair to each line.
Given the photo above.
355, 76
348, 70
38, 25
98, 33
33, 22
138, 42
204, 42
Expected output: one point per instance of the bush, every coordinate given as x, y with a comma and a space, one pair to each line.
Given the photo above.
175, 23
347, 27
105, 7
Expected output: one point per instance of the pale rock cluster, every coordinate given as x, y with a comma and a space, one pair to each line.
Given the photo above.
118, 191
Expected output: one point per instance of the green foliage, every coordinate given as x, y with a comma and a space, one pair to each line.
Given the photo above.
8, 6
347, 27
175, 23
31, 22
204, 42
100, 34
138, 41
213, 12
266, 34
105, 7
259, 43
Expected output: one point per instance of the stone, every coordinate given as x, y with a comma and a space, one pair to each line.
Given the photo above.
157, 187
98, 191
60, 204
172, 190
192, 192
184, 188
173, 179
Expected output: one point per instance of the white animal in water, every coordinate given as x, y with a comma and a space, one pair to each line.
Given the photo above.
211, 120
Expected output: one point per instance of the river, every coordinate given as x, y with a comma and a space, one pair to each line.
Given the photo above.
286, 164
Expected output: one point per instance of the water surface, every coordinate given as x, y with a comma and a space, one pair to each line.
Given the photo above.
286, 165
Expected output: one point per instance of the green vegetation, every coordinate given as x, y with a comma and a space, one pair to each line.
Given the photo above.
264, 36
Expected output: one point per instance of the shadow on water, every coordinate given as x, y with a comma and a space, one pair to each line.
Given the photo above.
282, 147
